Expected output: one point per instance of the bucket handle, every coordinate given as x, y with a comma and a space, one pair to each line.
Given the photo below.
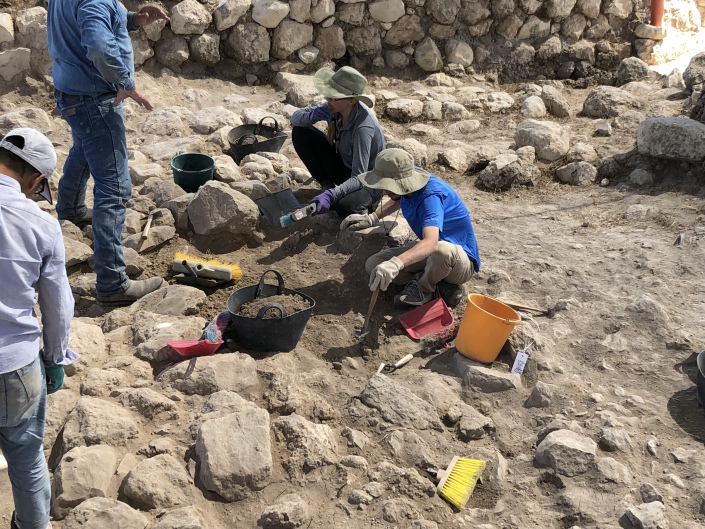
268, 306
280, 279
244, 137
276, 125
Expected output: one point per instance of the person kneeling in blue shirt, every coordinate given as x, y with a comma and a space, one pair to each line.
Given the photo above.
446, 254
31, 257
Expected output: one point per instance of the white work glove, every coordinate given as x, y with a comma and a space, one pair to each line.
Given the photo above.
359, 221
384, 273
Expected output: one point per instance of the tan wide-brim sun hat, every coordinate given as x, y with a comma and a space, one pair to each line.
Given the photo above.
346, 82
395, 172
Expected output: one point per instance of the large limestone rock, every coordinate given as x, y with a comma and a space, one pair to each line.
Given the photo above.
312, 445
76, 252
164, 192
566, 452
300, 10
577, 173
216, 207
88, 341
428, 56
146, 402
248, 43
387, 10
288, 512
650, 515
290, 36
398, 405
330, 42
550, 140
695, 72
608, 101
443, 11
183, 518
405, 31
166, 150
179, 209
157, 236
172, 50
104, 513
14, 62
151, 331
95, 421
205, 48
228, 12
533, 28
533, 107
482, 379
364, 41
83, 473
159, 482
458, 52
632, 69
618, 8
322, 10
7, 28
231, 372
210, 119
677, 138
189, 17
404, 109
506, 170
235, 453
269, 13
173, 300
555, 102
33, 118
559, 8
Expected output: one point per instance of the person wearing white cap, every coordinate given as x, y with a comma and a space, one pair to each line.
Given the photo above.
93, 74
446, 254
31, 358
353, 139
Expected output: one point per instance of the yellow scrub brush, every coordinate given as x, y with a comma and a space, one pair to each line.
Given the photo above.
208, 268
456, 484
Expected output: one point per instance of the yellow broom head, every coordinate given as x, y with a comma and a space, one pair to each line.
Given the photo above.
459, 480
237, 273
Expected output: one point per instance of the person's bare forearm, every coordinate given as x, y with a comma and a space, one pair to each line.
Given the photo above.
418, 252
387, 208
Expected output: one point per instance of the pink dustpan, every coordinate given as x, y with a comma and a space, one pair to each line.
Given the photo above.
430, 318
194, 347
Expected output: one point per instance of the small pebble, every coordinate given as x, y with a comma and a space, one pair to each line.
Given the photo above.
597, 397
619, 391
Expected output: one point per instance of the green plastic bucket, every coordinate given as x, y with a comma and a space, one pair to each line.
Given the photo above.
192, 170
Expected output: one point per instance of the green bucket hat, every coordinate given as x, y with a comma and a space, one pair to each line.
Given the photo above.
394, 171
346, 82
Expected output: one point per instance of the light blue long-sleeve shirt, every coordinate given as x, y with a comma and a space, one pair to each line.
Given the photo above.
358, 142
31, 256
91, 47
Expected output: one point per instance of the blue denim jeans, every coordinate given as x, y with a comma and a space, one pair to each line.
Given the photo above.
99, 149
23, 402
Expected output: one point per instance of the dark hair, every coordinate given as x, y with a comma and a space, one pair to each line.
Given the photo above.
13, 162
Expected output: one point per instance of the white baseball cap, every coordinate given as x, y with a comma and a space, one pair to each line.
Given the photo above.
37, 152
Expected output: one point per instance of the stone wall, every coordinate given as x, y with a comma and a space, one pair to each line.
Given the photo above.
516, 38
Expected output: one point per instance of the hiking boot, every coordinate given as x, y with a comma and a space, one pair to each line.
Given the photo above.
451, 294
136, 290
412, 296
87, 218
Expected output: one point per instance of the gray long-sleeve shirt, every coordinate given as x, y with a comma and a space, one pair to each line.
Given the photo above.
358, 142
31, 256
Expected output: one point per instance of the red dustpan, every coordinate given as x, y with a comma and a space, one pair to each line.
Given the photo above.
194, 347
430, 318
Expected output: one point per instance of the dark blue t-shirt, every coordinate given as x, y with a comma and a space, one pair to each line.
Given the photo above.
437, 204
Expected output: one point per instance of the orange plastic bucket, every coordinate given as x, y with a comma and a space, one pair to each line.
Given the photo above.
486, 325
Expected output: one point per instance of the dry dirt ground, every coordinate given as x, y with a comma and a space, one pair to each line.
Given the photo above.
538, 246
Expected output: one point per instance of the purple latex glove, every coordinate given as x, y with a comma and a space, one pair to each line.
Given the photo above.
320, 113
323, 202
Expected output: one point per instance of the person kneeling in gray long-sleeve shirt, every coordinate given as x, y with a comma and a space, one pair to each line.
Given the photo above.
349, 148
31, 258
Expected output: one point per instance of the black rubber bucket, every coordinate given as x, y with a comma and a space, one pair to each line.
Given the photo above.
191, 170
266, 335
243, 139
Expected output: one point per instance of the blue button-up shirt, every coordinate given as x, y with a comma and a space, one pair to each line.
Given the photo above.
90, 45
31, 256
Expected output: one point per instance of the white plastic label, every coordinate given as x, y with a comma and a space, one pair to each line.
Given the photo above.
519, 363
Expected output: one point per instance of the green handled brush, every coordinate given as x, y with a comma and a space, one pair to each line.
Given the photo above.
457, 482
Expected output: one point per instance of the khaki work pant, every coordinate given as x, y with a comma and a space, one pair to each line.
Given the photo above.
449, 262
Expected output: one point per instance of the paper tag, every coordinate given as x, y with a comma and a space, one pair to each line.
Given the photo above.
519, 363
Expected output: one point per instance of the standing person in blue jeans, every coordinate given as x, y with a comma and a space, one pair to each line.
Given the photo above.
349, 147
93, 74
446, 255
31, 257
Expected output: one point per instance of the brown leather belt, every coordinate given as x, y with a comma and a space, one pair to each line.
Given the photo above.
59, 93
